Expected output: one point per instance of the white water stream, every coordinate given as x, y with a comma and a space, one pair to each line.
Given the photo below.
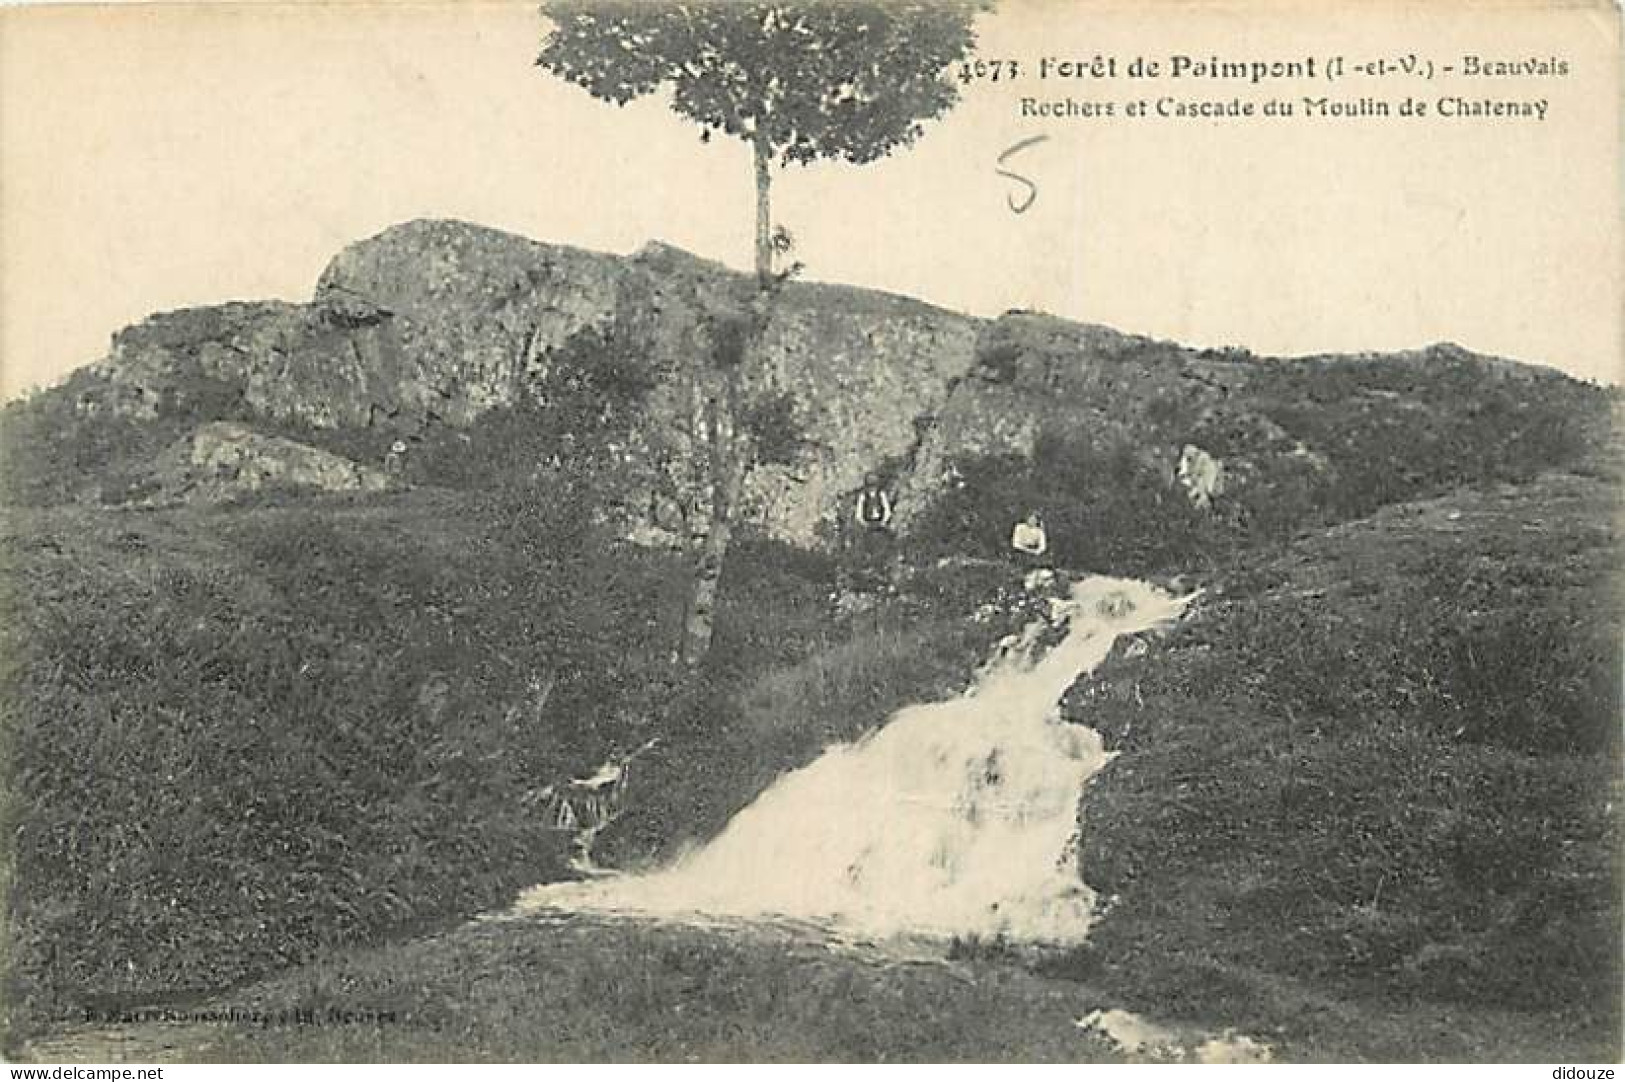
956, 818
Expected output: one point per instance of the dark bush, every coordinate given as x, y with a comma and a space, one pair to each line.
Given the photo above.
565, 428
1104, 508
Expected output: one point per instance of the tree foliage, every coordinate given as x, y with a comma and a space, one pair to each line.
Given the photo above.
849, 81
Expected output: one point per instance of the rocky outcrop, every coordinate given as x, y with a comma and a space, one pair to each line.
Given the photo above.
435, 322
1036, 374
471, 313
430, 322
223, 460
865, 371
431, 325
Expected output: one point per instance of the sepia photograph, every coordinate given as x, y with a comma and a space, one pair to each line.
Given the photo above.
811, 531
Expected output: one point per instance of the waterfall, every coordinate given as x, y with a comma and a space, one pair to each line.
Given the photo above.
956, 818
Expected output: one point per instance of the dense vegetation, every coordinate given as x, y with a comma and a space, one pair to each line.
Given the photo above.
238, 735
242, 735
1349, 770
1305, 445
1386, 763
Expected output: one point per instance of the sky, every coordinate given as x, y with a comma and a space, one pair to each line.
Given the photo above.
159, 156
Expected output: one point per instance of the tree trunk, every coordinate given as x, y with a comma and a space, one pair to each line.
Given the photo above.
728, 466
764, 217
729, 448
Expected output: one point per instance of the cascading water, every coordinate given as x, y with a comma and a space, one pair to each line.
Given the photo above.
955, 818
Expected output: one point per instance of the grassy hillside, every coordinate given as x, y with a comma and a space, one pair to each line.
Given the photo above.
1385, 763
592, 990
244, 734
1364, 809
1362, 805
236, 735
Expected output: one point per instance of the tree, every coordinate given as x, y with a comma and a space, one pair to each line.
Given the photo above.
797, 82
741, 423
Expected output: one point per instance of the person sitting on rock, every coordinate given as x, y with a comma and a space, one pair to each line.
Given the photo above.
873, 509
1201, 476
871, 538
395, 457
1029, 537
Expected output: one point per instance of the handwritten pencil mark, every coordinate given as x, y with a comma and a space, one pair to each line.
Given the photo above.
1032, 188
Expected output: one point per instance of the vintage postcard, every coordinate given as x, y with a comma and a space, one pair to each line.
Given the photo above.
807, 531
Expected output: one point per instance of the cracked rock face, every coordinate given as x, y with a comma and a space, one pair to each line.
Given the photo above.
861, 380
222, 460
469, 312
430, 325
435, 322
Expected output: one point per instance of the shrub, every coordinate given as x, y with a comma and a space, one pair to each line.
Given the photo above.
1104, 509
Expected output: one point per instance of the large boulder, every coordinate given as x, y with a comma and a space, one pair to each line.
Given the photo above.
471, 312
222, 460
